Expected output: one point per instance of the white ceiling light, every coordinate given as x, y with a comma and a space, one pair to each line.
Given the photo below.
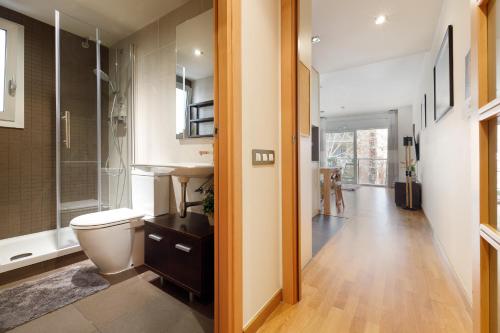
315, 39
381, 19
198, 52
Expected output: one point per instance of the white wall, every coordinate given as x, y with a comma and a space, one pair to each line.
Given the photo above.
260, 130
449, 157
155, 132
405, 128
203, 89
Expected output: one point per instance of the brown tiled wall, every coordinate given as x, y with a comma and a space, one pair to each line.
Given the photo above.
27, 156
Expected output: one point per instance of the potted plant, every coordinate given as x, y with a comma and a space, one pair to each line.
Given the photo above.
208, 203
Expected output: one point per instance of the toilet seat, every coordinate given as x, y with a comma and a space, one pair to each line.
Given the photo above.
105, 219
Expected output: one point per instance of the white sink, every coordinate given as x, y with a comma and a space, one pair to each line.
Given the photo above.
191, 170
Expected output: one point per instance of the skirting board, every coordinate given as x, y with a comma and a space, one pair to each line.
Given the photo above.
259, 319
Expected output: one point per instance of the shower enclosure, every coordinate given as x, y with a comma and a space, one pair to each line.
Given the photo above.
93, 99
90, 79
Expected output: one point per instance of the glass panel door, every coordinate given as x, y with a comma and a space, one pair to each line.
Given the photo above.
340, 153
77, 125
372, 152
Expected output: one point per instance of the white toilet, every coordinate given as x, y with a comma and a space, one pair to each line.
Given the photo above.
114, 239
108, 238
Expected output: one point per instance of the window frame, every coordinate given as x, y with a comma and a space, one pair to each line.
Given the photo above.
13, 114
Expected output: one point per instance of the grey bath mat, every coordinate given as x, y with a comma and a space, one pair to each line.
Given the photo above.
36, 298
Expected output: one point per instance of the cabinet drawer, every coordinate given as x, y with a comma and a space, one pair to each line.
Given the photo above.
184, 261
156, 247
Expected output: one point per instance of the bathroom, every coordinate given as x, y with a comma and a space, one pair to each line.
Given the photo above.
106, 161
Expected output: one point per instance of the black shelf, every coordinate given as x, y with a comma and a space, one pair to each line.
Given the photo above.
202, 120
202, 104
194, 120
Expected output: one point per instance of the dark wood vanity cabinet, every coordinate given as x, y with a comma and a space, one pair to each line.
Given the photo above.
182, 251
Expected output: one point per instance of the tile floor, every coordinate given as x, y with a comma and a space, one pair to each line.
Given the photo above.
133, 303
324, 227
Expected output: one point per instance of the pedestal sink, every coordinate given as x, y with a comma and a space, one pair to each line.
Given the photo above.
185, 171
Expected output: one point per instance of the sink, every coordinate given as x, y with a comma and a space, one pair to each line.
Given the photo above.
191, 170
184, 172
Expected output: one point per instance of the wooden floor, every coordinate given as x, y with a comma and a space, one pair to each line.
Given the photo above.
382, 272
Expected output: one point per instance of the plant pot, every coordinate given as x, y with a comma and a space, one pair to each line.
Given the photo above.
210, 220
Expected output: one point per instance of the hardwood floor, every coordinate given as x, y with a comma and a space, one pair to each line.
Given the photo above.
382, 272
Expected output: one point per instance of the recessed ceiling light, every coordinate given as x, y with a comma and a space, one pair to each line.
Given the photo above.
315, 39
381, 19
198, 52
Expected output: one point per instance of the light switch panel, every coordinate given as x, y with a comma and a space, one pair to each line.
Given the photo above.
263, 157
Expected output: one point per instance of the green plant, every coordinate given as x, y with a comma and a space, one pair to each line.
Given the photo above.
208, 201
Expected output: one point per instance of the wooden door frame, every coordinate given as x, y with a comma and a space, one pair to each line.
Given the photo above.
290, 152
228, 303
480, 77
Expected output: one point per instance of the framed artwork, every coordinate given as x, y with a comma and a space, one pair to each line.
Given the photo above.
443, 77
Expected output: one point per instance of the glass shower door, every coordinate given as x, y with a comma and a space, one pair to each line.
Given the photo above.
77, 124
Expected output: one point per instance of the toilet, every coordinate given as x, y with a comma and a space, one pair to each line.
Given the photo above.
109, 237
114, 239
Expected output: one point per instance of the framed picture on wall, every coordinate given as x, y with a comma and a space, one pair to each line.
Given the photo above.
443, 77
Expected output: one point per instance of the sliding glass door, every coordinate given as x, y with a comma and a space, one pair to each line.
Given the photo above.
361, 154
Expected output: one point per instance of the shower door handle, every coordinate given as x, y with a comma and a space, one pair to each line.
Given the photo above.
67, 129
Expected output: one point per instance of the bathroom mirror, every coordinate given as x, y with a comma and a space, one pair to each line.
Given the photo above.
194, 77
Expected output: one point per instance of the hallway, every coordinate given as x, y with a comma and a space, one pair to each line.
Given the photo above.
382, 272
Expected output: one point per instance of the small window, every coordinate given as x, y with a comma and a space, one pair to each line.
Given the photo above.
3, 48
180, 106
11, 74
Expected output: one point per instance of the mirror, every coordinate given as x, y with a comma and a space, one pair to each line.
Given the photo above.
194, 78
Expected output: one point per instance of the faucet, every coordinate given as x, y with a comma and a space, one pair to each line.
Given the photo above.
205, 152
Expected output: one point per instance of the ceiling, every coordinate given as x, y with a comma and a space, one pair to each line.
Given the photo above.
369, 88
118, 18
349, 36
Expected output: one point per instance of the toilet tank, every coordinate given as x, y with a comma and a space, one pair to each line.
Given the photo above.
150, 192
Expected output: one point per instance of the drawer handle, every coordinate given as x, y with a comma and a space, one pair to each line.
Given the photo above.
155, 237
184, 248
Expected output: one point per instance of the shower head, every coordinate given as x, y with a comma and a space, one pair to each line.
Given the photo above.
105, 77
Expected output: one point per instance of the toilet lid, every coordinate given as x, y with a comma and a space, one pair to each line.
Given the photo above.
105, 218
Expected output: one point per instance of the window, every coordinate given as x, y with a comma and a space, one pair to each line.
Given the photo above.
361, 154
180, 106
11, 74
